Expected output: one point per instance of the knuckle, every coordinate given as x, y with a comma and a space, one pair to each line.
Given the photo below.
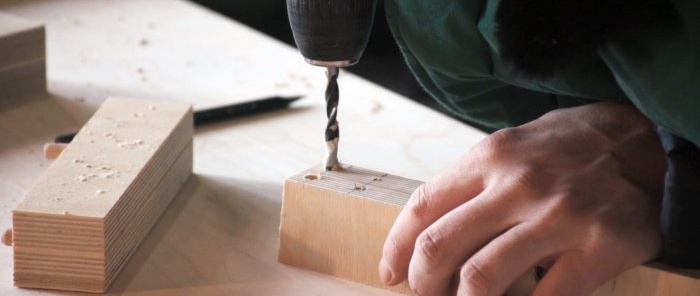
430, 246
475, 277
498, 142
608, 161
503, 137
419, 203
555, 115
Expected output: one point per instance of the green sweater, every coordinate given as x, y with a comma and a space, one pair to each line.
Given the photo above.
452, 49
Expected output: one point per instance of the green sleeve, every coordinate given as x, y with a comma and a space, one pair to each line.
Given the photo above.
451, 48
444, 49
659, 70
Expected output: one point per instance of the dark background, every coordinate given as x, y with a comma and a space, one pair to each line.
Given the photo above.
382, 62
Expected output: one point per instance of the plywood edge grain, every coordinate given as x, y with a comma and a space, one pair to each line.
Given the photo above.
93, 206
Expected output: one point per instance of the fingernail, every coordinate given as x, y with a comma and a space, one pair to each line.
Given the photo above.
385, 273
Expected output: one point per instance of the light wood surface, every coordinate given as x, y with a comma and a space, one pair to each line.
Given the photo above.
89, 211
22, 58
220, 234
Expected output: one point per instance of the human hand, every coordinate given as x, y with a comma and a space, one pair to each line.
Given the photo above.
577, 190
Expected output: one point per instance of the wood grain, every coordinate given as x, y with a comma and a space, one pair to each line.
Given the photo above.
94, 205
336, 223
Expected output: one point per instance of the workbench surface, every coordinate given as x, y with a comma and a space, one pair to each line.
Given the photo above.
220, 235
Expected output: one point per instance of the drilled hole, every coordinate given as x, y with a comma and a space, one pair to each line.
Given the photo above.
312, 176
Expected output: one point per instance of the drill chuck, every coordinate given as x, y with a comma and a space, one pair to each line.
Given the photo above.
331, 33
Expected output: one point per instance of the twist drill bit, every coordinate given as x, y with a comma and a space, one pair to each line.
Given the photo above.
332, 131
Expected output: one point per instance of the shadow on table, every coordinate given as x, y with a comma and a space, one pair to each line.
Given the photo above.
217, 233
39, 119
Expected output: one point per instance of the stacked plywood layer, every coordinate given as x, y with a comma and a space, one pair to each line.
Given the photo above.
94, 205
22, 57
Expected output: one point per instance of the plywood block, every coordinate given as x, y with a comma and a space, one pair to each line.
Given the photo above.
93, 206
336, 223
22, 57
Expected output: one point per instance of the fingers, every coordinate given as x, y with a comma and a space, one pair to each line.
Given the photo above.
445, 245
499, 264
428, 203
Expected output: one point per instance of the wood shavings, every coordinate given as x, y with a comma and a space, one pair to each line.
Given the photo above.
359, 188
131, 144
108, 175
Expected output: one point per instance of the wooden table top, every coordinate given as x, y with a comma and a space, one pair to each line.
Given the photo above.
220, 235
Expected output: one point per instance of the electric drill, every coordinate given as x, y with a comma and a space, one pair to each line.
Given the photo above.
331, 34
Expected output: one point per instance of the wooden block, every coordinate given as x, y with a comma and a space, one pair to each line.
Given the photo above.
336, 223
7, 237
93, 206
53, 150
22, 58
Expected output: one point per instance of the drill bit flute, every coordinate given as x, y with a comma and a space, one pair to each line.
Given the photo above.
331, 34
332, 130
